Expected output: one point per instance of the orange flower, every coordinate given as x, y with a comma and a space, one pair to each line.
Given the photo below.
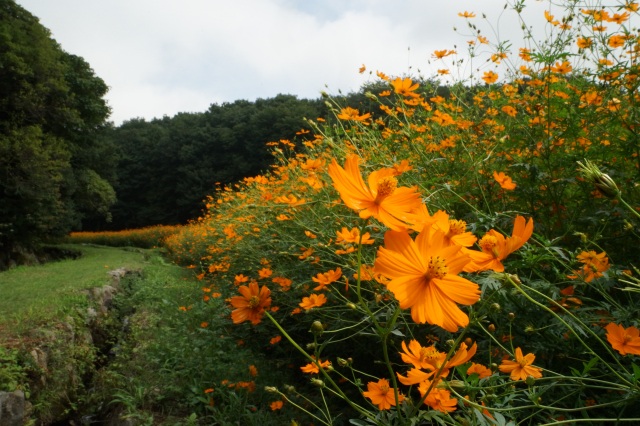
616, 41
349, 113
563, 67
313, 301
490, 77
431, 359
344, 236
521, 368
584, 43
466, 14
624, 340
276, 405
381, 198
275, 340
594, 265
504, 181
495, 247
251, 305
381, 394
405, 87
312, 367
480, 370
265, 273
439, 54
326, 278
424, 277
313, 164
438, 399
455, 231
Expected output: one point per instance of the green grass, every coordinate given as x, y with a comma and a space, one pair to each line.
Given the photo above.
33, 294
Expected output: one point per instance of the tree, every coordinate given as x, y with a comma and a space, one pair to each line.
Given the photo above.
52, 109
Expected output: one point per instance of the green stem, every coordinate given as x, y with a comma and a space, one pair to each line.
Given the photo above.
519, 287
324, 373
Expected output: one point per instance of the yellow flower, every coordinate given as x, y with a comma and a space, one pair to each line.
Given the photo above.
349, 113
405, 87
381, 198
423, 277
490, 77
466, 14
381, 394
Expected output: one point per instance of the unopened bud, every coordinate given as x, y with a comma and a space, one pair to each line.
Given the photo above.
602, 181
317, 328
511, 316
496, 307
271, 389
317, 383
351, 305
491, 328
530, 380
342, 362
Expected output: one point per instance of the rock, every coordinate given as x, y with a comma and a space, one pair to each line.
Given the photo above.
12, 408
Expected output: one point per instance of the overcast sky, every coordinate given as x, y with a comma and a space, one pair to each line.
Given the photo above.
161, 57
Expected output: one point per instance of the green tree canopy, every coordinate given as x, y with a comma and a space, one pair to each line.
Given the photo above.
53, 166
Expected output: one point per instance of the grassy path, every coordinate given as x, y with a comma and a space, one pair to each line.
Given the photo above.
32, 294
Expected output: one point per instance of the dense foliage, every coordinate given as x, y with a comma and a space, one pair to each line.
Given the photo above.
168, 166
448, 260
53, 171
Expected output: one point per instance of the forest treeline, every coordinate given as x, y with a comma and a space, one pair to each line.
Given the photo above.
65, 167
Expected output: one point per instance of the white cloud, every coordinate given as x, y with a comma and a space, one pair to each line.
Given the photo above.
160, 57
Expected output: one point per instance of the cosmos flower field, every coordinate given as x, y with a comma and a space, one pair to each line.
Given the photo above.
454, 254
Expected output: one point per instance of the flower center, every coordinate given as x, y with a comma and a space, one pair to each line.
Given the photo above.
428, 354
384, 388
386, 186
254, 302
457, 227
437, 268
488, 244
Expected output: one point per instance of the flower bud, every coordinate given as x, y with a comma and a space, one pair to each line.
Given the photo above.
351, 305
511, 316
317, 328
271, 389
491, 328
317, 383
496, 307
602, 181
342, 362
530, 380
